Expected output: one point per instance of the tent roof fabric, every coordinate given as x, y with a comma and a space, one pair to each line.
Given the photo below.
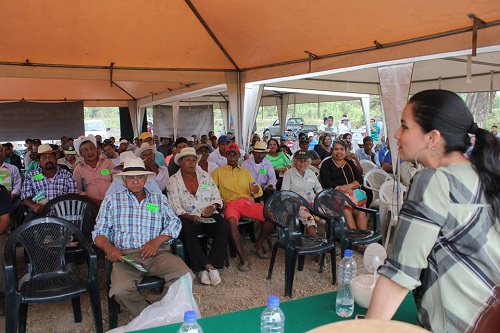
58, 49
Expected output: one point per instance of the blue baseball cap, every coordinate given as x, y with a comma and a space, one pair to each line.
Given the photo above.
223, 139
284, 137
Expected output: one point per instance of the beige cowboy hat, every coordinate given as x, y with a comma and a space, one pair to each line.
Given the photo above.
43, 149
144, 146
188, 151
260, 147
133, 166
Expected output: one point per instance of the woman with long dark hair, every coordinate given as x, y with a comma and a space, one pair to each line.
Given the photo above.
447, 242
324, 148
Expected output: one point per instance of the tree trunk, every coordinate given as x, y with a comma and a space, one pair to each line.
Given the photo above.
480, 106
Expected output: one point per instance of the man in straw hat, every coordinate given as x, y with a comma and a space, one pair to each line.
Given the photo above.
151, 185
261, 169
139, 224
195, 198
94, 176
238, 190
45, 182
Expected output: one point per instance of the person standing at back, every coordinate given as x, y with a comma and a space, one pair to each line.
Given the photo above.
447, 242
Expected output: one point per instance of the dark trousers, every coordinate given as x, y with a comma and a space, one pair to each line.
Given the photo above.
218, 231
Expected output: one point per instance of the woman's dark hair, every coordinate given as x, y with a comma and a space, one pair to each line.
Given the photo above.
343, 143
324, 136
275, 141
287, 149
446, 112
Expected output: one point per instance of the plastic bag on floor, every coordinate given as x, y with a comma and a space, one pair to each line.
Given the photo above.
170, 309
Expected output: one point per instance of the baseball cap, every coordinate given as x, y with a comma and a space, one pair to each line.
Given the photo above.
284, 137
145, 135
302, 154
310, 134
123, 141
69, 150
233, 147
223, 139
304, 139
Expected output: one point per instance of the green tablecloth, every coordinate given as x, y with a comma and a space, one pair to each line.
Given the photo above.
300, 315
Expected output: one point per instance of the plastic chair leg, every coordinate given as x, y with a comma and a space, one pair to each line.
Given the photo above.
322, 263
112, 313
95, 302
77, 311
12, 317
290, 259
271, 263
333, 258
23, 316
301, 263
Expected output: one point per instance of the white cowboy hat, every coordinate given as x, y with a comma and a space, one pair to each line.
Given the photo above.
144, 146
133, 166
78, 142
188, 151
123, 157
260, 147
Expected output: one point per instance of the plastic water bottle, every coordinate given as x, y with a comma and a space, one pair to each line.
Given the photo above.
344, 305
190, 209
311, 197
190, 324
272, 320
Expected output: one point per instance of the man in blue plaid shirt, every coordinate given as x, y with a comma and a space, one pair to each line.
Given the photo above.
45, 182
138, 224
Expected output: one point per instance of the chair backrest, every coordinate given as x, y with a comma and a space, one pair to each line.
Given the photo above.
367, 166
282, 208
79, 210
331, 202
45, 240
374, 179
389, 193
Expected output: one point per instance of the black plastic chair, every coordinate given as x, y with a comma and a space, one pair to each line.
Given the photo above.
148, 282
282, 209
332, 203
45, 240
79, 210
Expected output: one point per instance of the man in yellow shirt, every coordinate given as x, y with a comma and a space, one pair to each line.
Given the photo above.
238, 190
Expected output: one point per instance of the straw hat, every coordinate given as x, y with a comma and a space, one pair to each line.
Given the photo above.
81, 140
133, 166
188, 151
144, 146
260, 147
43, 149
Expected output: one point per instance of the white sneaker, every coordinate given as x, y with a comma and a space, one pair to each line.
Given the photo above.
203, 276
214, 277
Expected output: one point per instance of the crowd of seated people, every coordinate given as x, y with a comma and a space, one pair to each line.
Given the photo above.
202, 186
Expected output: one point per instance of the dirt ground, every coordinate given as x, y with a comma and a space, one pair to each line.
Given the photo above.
237, 291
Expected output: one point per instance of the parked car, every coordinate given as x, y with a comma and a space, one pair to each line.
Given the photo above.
293, 125
96, 127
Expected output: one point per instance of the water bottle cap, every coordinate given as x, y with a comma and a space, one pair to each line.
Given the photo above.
348, 253
189, 316
273, 301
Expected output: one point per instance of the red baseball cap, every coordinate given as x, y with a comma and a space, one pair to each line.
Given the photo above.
233, 147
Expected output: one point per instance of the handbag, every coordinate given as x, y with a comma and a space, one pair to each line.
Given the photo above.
357, 196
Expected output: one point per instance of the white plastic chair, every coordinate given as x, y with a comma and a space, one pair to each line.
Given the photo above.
367, 166
388, 209
373, 180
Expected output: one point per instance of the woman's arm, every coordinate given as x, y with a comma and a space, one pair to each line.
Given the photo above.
386, 299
